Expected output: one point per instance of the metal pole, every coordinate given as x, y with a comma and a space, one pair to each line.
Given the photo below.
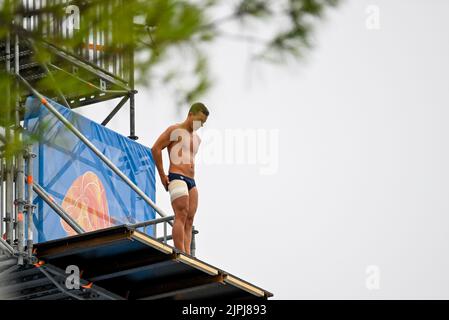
20, 183
77, 133
5, 245
57, 208
8, 52
132, 112
2, 198
115, 110
170, 237
29, 203
9, 199
50, 75
192, 243
151, 222
8, 169
14, 180
20, 173
132, 117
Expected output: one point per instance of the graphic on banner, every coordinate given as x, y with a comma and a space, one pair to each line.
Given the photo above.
75, 178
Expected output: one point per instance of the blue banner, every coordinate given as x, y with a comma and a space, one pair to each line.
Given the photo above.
91, 193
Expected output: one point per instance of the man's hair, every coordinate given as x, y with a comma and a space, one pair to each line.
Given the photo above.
199, 107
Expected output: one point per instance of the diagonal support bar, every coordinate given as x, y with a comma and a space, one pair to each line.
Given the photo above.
6, 246
115, 110
57, 208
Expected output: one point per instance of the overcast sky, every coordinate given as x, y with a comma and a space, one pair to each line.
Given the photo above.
353, 200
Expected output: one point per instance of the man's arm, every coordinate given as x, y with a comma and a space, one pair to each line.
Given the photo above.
161, 143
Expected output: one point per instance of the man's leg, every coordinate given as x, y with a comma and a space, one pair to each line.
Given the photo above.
193, 205
180, 207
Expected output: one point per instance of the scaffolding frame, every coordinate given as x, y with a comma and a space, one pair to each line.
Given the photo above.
115, 79
116, 258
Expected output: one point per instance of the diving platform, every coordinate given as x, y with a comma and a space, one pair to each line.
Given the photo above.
120, 263
110, 235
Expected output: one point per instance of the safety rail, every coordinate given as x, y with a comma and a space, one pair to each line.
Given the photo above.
165, 221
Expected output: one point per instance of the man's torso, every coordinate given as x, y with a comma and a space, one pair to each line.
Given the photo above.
182, 150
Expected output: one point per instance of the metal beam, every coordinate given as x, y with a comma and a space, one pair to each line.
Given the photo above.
29, 202
183, 291
8, 168
168, 288
6, 246
59, 286
2, 198
45, 66
151, 222
115, 110
87, 65
160, 264
82, 244
20, 165
93, 288
170, 237
57, 208
132, 118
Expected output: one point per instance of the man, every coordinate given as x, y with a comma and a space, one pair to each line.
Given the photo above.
182, 144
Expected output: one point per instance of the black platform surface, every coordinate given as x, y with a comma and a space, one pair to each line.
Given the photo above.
122, 263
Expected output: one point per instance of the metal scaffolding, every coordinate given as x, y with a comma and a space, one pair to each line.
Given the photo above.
100, 64
104, 71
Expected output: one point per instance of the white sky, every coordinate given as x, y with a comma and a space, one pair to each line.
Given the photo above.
363, 151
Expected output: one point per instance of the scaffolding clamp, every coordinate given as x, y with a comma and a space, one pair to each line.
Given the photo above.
29, 154
19, 202
27, 206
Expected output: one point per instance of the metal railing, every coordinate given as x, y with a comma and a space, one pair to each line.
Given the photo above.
165, 221
99, 45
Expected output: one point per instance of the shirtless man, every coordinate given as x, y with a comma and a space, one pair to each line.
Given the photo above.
182, 144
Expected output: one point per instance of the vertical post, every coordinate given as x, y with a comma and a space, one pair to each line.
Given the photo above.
20, 185
8, 167
8, 52
132, 113
9, 199
29, 203
165, 232
14, 173
20, 167
192, 243
94, 36
7, 99
154, 226
132, 117
2, 198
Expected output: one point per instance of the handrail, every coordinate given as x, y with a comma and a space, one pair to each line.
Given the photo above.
151, 222
166, 237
